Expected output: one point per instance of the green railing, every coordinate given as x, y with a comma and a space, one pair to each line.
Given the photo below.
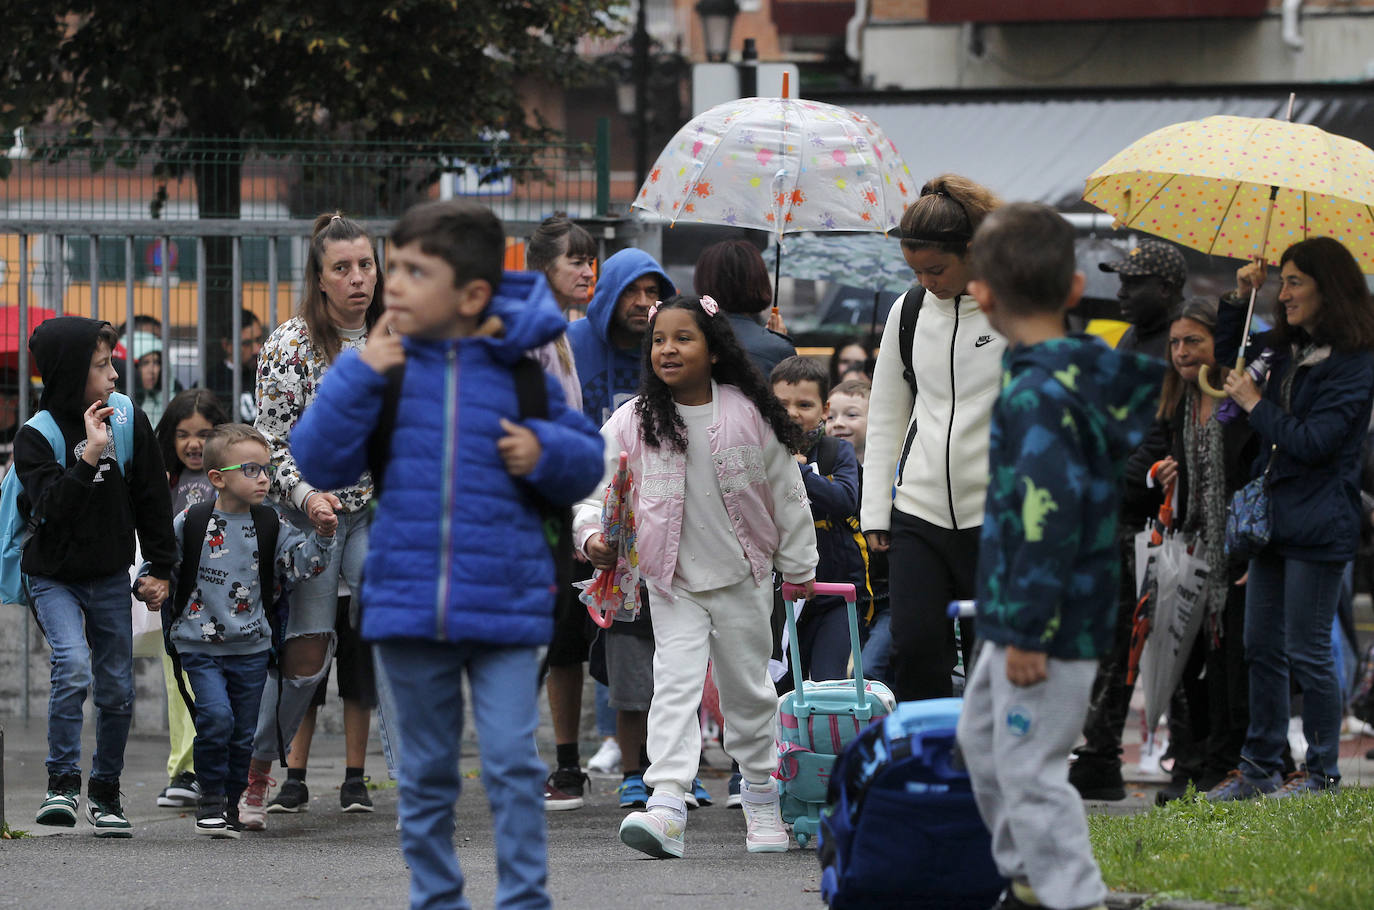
56, 177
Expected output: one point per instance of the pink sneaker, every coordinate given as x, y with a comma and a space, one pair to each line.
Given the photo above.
253, 803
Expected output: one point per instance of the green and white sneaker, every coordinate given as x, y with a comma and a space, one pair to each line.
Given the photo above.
59, 806
657, 831
103, 810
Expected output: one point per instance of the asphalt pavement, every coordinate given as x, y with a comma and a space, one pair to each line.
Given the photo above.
326, 858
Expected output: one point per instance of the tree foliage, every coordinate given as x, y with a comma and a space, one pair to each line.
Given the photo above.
430, 70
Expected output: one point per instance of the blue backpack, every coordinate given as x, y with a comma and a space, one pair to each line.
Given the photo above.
901, 829
15, 529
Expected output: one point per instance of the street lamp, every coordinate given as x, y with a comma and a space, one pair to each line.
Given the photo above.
717, 21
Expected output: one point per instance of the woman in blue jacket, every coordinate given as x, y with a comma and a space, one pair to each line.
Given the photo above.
1311, 419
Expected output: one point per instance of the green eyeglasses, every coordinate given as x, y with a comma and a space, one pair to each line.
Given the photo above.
250, 469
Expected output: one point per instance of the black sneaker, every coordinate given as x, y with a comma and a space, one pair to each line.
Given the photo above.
292, 797
103, 810
181, 792
1096, 779
564, 789
212, 821
352, 795
59, 806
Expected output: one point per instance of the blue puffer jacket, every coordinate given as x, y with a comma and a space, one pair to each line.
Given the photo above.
457, 551
1314, 483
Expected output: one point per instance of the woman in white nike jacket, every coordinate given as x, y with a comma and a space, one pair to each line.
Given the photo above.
926, 464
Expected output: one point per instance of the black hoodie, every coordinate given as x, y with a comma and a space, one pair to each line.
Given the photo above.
89, 513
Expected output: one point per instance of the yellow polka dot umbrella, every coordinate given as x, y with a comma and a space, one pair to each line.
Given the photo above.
1245, 187
1207, 184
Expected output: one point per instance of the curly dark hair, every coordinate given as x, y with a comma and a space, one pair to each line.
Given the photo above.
659, 421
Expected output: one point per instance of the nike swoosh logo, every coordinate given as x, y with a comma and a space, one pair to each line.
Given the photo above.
982, 340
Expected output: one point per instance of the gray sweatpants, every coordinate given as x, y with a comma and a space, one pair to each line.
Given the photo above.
1016, 742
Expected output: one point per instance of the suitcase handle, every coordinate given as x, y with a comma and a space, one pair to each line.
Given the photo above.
791, 592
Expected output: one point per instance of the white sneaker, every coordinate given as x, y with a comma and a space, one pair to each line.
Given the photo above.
607, 758
763, 816
659, 830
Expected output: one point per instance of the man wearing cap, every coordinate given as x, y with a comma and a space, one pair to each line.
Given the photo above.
1152, 280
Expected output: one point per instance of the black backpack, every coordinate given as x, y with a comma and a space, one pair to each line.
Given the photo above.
267, 524
534, 404
906, 335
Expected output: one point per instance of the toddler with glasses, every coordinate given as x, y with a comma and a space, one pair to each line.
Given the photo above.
219, 627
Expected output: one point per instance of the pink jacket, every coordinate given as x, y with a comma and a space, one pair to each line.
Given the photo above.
759, 481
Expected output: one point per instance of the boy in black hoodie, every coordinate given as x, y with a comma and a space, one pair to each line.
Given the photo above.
79, 556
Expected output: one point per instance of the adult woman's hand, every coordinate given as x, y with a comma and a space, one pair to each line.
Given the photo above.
775, 322
1242, 389
321, 507
1250, 277
1166, 471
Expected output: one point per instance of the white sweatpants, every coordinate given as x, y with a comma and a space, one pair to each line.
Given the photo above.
730, 627
1016, 743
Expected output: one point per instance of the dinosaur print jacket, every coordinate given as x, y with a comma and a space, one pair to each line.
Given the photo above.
1071, 410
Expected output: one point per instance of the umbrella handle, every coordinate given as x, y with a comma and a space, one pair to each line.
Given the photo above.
1203, 370
1206, 386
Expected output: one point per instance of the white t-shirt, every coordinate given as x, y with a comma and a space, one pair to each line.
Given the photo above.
709, 555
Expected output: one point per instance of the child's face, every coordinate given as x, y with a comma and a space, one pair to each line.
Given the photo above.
100, 379
238, 491
803, 403
421, 292
681, 358
150, 371
849, 419
190, 441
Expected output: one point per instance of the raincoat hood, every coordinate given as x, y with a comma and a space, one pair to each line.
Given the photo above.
617, 273
1120, 387
609, 374
62, 347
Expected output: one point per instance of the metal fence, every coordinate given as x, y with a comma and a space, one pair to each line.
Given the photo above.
57, 177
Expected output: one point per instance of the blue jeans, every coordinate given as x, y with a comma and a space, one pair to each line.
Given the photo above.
314, 608
87, 625
1289, 605
228, 688
425, 678
877, 652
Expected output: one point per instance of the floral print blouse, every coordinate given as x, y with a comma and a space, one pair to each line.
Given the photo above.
289, 374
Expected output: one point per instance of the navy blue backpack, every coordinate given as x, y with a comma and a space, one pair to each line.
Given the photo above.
901, 828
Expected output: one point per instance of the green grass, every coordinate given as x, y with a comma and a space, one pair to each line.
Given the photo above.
1305, 853
8, 833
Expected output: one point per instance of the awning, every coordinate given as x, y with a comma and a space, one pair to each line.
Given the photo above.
1041, 146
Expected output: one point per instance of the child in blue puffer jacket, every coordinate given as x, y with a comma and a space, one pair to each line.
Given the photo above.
458, 575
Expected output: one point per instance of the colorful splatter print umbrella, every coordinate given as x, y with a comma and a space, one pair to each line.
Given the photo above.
781, 165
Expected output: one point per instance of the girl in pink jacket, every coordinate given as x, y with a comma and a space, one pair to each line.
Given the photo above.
719, 503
